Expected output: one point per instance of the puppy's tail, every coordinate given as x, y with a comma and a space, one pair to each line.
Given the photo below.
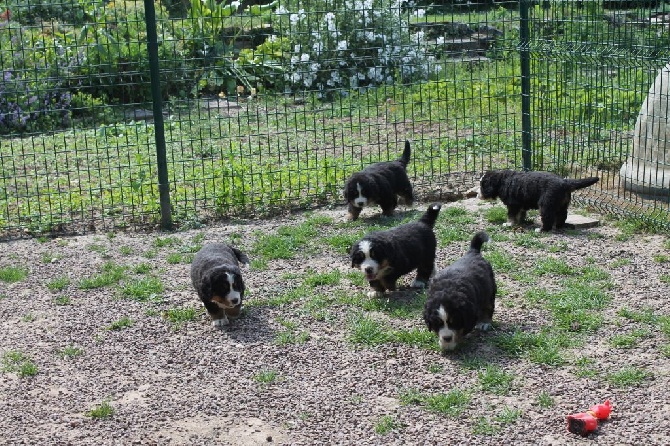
241, 257
404, 159
431, 214
581, 183
478, 240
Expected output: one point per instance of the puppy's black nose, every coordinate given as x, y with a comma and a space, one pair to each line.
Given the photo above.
368, 270
447, 338
235, 301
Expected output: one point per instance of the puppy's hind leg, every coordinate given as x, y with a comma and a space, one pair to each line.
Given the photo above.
561, 217
548, 219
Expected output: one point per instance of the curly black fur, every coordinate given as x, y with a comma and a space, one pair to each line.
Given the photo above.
217, 278
461, 296
384, 256
521, 191
380, 184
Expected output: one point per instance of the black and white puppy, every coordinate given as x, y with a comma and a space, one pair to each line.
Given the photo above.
520, 191
384, 256
379, 184
216, 276
461, 296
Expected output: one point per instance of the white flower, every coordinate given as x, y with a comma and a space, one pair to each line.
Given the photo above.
342, 45
304, 57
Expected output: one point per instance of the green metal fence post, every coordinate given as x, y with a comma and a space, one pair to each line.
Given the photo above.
159, 127
524, 55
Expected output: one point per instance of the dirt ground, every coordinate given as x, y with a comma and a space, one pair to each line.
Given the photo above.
198, 385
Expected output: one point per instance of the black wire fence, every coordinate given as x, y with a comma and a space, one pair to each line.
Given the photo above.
129, 114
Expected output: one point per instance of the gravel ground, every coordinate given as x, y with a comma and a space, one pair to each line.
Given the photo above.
198, 385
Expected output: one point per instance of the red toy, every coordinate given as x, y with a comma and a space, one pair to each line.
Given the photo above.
586, 422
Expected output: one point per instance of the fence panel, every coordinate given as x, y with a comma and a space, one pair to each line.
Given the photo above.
270, 106
593, 63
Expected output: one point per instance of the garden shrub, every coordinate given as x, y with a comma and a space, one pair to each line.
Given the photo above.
115, 61
32, 12
350, 44
33, 97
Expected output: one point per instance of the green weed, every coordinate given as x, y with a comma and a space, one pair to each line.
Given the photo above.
628, 377
110, 274
70, 352
12, 274
120, 324
179, 316
19, 363
493, 379
266, 376
387, 424
101, 411
143, 289
58, 284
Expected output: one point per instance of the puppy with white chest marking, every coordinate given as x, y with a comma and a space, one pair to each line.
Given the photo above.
520, 191
217, 278
384, 256
461, 296
379, 184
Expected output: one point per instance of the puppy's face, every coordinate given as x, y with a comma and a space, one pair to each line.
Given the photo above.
227, 290
488, 187
449, 324
358, 193
371, 260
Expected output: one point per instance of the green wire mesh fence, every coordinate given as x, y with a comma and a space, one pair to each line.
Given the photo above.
265, 106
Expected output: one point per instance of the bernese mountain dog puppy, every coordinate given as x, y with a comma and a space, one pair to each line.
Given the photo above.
216, 276
520, 191
384, 256
380, 184
461, 297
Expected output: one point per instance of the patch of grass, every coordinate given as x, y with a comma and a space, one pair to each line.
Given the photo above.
494, 379
342, 242
126, 250
416, 337
541, 348
356, 278
286, 298
101, 411
142, 268
393, 308
661, 258
70, 352
58, 283
645, 315
143, 289
552, 265
100, 249
328, 278
664, 278
49, 257
501, 261
435, 368
483, 426
266, 376
665, 350
28, 317
558, 247
287, 242
628, 377
19, 363
162, 242
496, 214
593, 273
451, 403
530, 240
572, 308
585, 367
508, 415
474, 362
110, 274
545, 401
387, 424
120, 324
367, 331
13, 274
628, 340
179, 316
290, 335
618, 263
62, 300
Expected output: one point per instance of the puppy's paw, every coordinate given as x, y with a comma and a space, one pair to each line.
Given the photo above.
220, 323
483, 326
508, 224
375, 294
538, 230
418, 284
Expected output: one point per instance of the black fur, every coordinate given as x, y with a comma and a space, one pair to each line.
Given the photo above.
466, 290
208, 275
398, 251
521, 191
380, 184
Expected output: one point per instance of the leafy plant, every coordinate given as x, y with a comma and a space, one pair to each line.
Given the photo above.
19, 363
12, 274
101, 411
